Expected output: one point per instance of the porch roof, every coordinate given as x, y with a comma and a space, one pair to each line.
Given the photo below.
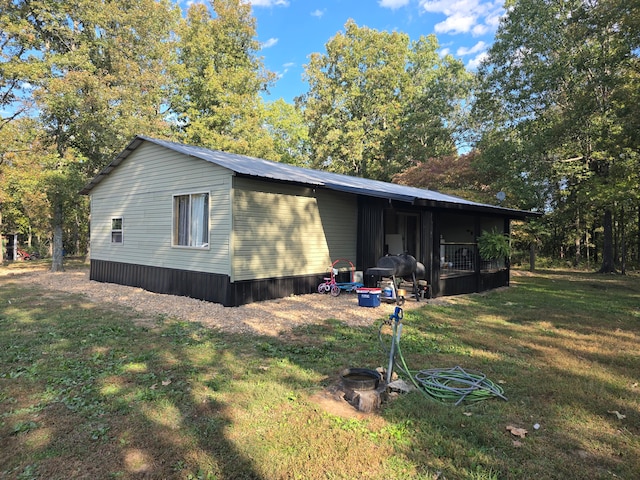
257, 167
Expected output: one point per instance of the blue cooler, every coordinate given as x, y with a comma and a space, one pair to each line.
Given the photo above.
368, 297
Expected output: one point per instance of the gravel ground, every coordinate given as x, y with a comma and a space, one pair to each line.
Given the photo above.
273, 317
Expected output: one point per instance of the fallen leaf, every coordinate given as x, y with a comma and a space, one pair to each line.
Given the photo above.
166, 382
517, 443
154, 386
468, 414
617, 414
517, 431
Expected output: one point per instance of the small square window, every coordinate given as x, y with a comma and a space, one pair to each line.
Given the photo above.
116, 230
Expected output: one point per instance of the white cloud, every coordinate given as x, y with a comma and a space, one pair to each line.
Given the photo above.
457, 23
285, 69
269, 3
269, 43
475, 62
318, 13
478, 47
479, 30
466, 16
493, 19
393, 4
444, 52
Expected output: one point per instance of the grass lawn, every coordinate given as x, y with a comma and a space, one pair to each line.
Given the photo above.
92, 392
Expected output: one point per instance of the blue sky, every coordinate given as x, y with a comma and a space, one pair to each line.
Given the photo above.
290, 30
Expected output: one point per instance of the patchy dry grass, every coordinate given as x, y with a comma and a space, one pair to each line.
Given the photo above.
91, 392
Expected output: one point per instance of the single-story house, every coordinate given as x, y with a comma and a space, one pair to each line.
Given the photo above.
226, 228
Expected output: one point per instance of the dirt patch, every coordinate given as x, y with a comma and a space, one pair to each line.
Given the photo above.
272, 317
332, 401
521, 273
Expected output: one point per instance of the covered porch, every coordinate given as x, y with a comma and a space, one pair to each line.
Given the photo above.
444, 241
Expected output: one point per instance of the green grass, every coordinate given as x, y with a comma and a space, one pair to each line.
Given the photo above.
92, 392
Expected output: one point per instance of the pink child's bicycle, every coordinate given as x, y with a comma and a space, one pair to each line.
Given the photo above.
332, 286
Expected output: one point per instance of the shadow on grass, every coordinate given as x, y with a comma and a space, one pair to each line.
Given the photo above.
88, 393
570, 369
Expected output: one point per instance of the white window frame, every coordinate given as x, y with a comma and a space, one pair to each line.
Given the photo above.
187, 223
117, 231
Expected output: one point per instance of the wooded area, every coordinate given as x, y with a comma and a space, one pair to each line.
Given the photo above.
551, 118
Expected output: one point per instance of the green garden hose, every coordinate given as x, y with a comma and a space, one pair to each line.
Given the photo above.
457, 384
443, 384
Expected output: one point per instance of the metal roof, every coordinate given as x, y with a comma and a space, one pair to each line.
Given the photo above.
257, 167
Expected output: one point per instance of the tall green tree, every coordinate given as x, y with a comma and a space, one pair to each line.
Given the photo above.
354, 103
23, 204
220, 76
19, 64
433, 122
107, 73
286, 126
102, 79
555, 94
378, 103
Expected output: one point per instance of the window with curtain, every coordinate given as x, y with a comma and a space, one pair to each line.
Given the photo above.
191, 220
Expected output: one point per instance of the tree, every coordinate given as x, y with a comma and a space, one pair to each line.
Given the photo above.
23, 204
289, 132
103, 80
452, 174
554, 91
433, 118
217, 101
378, 103
107, 78
354, 101
19, 63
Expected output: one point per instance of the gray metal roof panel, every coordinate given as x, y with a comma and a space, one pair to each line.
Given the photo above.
257, 167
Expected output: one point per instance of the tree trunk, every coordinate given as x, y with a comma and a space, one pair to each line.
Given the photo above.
576, 241
623, 241
2, 238
607, 246
638, 239
587, 248
532, 257
57, 257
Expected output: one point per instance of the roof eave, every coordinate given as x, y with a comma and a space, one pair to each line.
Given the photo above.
135, 143
507, 212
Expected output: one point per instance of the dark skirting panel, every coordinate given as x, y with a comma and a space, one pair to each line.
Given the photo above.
472, 283
211, 287
457, 285
490, 280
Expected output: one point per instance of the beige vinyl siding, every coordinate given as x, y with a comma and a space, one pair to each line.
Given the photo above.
282, 230
140, 190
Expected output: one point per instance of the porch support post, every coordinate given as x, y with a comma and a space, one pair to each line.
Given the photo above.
476, 256
507, 261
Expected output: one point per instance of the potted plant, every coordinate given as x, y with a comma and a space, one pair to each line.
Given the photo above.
494, 247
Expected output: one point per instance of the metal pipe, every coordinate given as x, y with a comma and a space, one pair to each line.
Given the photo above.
396, 320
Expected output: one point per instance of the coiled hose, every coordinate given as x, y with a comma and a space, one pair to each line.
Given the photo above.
443, 384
